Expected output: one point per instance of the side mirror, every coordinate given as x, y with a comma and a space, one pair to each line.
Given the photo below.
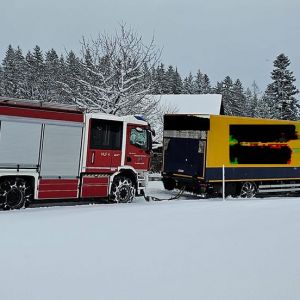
138, 129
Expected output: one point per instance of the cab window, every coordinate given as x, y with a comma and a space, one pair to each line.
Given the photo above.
139, 138
106, 134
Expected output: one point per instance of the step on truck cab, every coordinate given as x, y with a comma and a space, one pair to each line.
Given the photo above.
259, 156
54, 151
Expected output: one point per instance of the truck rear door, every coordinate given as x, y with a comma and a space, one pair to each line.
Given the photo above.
184, 154
184, 147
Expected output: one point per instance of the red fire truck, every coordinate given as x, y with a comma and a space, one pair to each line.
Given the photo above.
53, 151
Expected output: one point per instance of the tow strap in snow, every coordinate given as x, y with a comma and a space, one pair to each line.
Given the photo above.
177, 196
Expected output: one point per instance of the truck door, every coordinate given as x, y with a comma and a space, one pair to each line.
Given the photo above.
104, 145
184, 154
138, 147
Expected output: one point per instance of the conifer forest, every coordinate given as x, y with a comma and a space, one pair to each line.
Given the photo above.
113, 74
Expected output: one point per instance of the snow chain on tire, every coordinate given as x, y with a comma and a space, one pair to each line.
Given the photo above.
122, 190
15, 193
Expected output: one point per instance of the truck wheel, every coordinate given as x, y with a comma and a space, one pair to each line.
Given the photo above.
169, 184
13, 193
122, 190
248, 190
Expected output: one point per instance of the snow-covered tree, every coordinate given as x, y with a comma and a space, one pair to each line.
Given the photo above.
71, 74
113, 73
1, 82
253, 100
9, 73
20, 74
198, 83
35, 74
52, 74
264, 109
160, 80
233, 96
177, 83
173, 80
280, 94
238, 100
206, 86
188, 84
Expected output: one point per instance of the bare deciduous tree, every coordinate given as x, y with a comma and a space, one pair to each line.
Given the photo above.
115, 74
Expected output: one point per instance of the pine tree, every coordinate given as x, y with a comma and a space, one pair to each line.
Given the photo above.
233, 96
30, 76
36, 78
206, 86
9, 72
170, 75
173, 81
238, 100
188, 84
198, 83
177, 83
225, 87
1, 81
253, 102
20, 74
264, 108
71, 74
161, 83
281, 92
52, 75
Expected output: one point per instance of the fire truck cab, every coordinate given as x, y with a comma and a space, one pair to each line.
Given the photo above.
53, 151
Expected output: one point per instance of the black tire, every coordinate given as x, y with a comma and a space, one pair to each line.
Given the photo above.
248, 190
122, 190
15, 193
169, 184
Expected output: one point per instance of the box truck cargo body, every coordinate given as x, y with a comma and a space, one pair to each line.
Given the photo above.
258, 155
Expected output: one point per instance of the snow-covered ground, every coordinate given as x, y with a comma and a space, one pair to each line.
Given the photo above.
182, 249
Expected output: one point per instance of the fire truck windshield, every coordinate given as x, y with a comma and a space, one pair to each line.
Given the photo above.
141, 138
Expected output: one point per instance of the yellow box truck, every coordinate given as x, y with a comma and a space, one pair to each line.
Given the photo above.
256, 156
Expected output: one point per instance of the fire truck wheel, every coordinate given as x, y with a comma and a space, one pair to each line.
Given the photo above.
122, 190
14, 193
248, 189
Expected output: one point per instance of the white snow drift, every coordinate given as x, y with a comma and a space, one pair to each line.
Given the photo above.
183, 249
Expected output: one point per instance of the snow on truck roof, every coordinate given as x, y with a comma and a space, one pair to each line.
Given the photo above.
202, 104
67, 108
38, 104
135, 119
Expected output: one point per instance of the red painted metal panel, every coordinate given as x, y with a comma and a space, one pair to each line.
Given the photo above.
57, 194
100, 170
58, 188
97, 158
57, 181
95, 187
94, 191
95, 180
40, 114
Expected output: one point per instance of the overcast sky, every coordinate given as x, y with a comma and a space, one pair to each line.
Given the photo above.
221, 37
